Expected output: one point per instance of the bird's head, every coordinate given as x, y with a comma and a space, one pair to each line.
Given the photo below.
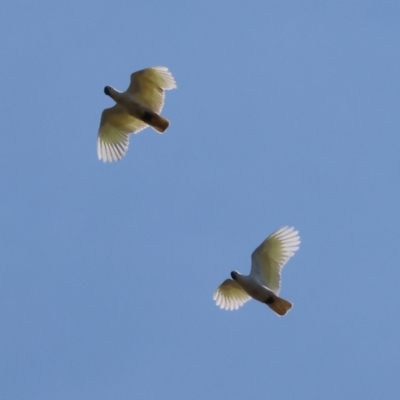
234, 275
107, 90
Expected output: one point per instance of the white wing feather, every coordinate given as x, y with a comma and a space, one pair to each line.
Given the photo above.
230, 295
270, 257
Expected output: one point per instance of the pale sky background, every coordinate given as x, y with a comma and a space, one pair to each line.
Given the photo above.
286, 113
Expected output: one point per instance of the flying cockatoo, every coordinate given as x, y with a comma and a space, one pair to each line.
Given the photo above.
136, 109
264, 282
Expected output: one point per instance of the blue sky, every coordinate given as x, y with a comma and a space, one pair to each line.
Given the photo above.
286, 113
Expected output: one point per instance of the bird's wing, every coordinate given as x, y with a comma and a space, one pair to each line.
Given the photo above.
230, 295
115, 127
269, 258
148, 86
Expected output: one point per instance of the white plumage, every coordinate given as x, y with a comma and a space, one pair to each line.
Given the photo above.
136, 109
264, 282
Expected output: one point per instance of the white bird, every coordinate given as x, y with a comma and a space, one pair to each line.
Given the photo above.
136, 109
264, 282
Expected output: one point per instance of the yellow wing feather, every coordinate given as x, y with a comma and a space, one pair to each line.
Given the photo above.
148, 86
270, 257
115, 127
230, 295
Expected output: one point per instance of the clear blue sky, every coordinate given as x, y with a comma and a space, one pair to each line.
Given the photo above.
286, 113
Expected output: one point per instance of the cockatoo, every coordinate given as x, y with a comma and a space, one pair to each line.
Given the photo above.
136, 109
264, 282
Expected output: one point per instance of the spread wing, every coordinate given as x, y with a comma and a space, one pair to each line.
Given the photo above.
269, 258
230, 295
115, 127
148, 86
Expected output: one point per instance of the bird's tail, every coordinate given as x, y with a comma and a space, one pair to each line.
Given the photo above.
279, 305
159, 123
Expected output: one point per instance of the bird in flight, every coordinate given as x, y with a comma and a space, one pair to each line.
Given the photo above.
136, 109
264, 282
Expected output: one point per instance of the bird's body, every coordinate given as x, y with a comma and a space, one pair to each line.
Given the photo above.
253, 287
127, 101
137, 110
263, 282
138, 107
